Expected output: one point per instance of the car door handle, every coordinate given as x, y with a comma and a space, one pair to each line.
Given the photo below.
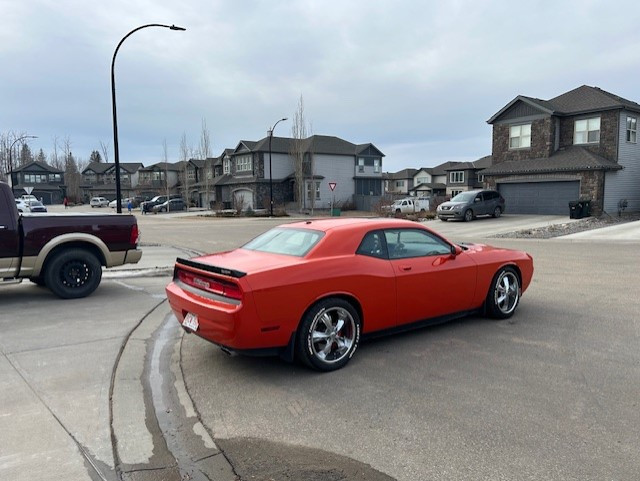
405, 268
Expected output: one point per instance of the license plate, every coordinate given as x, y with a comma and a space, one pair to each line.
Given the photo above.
191, 321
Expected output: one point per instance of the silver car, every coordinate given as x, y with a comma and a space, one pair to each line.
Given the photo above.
468, 205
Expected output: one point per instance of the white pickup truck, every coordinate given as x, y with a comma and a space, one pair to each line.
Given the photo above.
409, 205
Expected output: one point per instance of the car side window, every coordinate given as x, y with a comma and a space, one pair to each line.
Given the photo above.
372, 245
405, 243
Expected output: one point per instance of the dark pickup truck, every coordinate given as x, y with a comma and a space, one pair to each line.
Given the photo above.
63, 252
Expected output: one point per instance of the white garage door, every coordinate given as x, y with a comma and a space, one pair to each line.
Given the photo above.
551, 198
243, 199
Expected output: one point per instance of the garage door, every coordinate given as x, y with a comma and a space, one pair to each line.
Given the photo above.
550, 198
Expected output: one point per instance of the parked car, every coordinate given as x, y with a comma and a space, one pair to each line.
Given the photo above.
28, 197
409, 205
468, 205
310, 289
35, 206
21, 205
158, 199
171, 205
98, 202
65, 252
123, 203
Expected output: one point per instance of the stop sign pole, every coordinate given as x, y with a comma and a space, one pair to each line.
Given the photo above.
332, 186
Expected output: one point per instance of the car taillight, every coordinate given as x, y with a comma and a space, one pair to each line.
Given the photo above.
134, 237
215, 286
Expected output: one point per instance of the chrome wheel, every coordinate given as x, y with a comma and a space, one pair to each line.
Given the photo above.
506, 293
333, 333
328, 334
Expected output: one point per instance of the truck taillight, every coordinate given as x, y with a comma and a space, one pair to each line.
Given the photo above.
215, 286
135, 235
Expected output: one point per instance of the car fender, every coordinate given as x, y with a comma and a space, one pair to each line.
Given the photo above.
75, 239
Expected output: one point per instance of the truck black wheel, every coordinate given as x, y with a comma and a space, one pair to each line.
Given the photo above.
73, 273
39, 281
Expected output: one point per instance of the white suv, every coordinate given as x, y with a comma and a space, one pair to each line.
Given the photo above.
99, 202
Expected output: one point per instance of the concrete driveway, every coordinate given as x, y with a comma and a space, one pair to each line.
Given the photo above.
629, 232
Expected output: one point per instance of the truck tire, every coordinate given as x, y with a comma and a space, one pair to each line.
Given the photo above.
73, 273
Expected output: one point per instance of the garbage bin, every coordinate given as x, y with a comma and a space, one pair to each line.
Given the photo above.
575, 209
586, 208
335, 212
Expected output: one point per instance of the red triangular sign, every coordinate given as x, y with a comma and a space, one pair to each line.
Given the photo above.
332, 186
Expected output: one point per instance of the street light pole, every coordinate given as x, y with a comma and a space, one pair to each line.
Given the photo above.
270, 167
11, 157
113, 104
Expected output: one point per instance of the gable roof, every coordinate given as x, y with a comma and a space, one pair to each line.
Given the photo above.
579, 100
571, 159
402, 174
102, 167
319, 144
442, 168
35, 163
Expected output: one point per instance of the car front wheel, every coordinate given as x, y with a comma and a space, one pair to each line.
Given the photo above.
497, 212
504, 294
73, 273
328, 335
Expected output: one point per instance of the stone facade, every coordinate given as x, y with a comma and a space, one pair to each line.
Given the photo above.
542, 141
608, 145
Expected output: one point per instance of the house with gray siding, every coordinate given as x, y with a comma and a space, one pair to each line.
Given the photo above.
46, 182
579, 145
253, 169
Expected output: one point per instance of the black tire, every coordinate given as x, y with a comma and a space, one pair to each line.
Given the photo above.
326, 353
504, 294
398, 211
73, 273
443, 219
468, 215
497, 212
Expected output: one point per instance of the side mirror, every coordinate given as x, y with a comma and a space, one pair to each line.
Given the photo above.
456, 250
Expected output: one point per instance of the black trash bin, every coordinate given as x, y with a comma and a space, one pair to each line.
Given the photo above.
575, 209
586, 208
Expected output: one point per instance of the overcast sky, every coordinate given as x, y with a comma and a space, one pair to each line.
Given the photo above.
416, 78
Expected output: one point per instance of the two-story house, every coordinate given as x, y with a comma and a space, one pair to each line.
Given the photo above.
99, 179
158, 178
44, 181
465, 176
398, 184
579, 145
253, 170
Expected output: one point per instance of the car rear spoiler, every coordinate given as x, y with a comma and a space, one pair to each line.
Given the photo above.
210, 268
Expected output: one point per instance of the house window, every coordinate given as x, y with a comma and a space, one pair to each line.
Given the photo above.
422, 180
361, 164
226, 166
191, 174
456, 177
520, 136
632, 129
376, 166
310, 187
587, 131
399, 183
244, 164
54, 178
455, 192
158, 175
480, 178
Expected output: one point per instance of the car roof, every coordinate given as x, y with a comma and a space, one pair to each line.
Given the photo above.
364, 223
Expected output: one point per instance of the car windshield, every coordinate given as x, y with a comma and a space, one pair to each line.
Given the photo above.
464, 197
293, 242
35, 203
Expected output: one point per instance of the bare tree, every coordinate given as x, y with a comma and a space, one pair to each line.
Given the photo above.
54, 158
184, 157
105, 151
166, 168
299, 134
205, 153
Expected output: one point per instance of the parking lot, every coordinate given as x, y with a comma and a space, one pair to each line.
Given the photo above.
550, 394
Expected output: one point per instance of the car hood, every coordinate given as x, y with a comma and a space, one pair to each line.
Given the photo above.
248, 261
452, 204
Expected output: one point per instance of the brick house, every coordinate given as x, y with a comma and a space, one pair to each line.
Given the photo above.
579, 145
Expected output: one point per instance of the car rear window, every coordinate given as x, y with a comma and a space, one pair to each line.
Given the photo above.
292, 242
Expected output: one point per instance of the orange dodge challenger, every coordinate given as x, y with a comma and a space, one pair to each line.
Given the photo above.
311, 289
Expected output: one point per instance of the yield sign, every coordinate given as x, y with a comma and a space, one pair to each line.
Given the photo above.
332, 186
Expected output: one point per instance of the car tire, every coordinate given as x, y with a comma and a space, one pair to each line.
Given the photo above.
328, 335
504, 294
443, 219
468, 215
73, 273
38, 281
497, 212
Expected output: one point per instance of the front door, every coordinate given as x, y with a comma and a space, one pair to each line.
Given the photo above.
430, 282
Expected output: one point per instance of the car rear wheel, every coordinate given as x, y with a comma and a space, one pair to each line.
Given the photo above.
468, 215
73, 273
328, 335
504, 294
497, 212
